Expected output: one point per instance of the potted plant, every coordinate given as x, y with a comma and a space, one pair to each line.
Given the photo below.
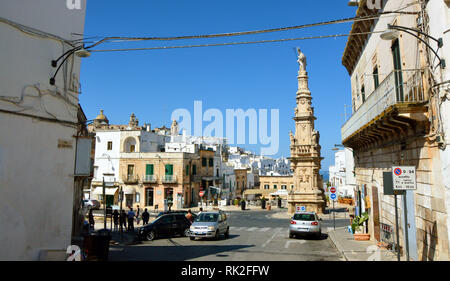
358, 227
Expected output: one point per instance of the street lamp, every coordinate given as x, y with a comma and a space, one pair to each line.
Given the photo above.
393, 31
78, 51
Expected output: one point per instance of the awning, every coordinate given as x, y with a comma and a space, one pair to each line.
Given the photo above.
108, 190
128, 189
280, 192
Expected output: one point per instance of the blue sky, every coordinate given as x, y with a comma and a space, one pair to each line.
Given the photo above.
152, 84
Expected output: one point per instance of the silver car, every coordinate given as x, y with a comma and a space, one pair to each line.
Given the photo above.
210, 225
305, 223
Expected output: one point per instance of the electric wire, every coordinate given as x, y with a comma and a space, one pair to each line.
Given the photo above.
236, 43
241, 33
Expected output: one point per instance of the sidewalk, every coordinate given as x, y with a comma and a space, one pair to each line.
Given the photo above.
354, 250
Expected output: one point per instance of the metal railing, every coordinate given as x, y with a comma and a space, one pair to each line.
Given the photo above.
131, 178
169, 179
149, 178
398, 87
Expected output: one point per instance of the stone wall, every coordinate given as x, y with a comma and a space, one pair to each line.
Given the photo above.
430, 209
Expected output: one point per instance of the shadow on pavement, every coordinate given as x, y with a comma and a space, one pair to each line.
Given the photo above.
323, 236
172, 253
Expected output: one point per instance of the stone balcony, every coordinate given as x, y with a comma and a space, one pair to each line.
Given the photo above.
393, 108
130, 179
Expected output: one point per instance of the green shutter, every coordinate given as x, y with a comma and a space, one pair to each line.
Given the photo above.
187, 170
149, 169
169, 169
194, 169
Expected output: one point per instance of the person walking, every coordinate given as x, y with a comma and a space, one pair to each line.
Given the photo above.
189, 216
123, 220
138, 212
131, 216
145, 217
116, 216
91, 219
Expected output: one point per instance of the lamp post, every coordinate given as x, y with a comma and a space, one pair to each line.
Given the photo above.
392, 33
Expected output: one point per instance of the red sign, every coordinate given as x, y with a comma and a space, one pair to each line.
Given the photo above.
333, 189
201, 193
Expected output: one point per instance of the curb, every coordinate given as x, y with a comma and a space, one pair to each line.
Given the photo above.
336, 243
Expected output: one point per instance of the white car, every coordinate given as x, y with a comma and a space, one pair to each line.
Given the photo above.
210, 225
305, 223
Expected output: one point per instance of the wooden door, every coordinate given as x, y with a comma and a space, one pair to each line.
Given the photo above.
376, 213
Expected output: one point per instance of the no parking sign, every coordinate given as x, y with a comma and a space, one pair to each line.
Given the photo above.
404, 177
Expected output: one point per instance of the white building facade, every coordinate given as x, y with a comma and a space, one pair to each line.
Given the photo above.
39, 122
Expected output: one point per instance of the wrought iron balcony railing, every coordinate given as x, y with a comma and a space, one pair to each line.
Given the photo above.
399, 87
149, 179
169, 179
131, 179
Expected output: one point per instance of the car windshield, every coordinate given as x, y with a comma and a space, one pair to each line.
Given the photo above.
304, 217
205, 217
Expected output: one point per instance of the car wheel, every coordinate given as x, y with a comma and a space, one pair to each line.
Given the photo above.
291, 235
192, 238
318, 235
187, 233
150, 236
217, 236
227, 234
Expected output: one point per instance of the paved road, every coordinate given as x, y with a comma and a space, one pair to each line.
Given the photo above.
254, 236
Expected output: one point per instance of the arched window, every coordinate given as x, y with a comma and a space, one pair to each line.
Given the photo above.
130, 145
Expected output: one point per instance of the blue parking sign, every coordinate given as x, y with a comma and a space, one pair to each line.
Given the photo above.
333, 196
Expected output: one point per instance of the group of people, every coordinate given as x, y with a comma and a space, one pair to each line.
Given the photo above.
121, 219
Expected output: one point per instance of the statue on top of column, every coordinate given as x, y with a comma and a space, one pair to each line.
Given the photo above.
301, 60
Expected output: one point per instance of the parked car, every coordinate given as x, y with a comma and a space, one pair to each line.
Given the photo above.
305, 223
168, 225
176, 212
210, 224
93, 204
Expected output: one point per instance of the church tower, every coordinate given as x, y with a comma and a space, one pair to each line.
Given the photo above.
305, 150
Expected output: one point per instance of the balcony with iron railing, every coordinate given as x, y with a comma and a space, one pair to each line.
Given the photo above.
169, 179
130, 179
149, 179
400, 92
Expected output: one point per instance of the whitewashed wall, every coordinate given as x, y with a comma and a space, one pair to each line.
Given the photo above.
36, 176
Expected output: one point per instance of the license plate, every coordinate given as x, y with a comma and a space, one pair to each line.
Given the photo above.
302, 229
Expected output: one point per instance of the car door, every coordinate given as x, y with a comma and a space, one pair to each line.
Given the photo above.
222, 223
181, 224
164, 225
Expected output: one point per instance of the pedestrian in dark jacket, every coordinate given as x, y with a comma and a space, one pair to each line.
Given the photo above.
116, 216
123, 220
145, 217
91, 219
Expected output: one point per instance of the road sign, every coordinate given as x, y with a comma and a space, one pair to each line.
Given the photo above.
404, 177
201, 193
333, 189
300, 208
333, 196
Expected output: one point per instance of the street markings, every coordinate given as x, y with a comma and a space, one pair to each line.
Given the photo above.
294, 241
258, 229
277, 230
